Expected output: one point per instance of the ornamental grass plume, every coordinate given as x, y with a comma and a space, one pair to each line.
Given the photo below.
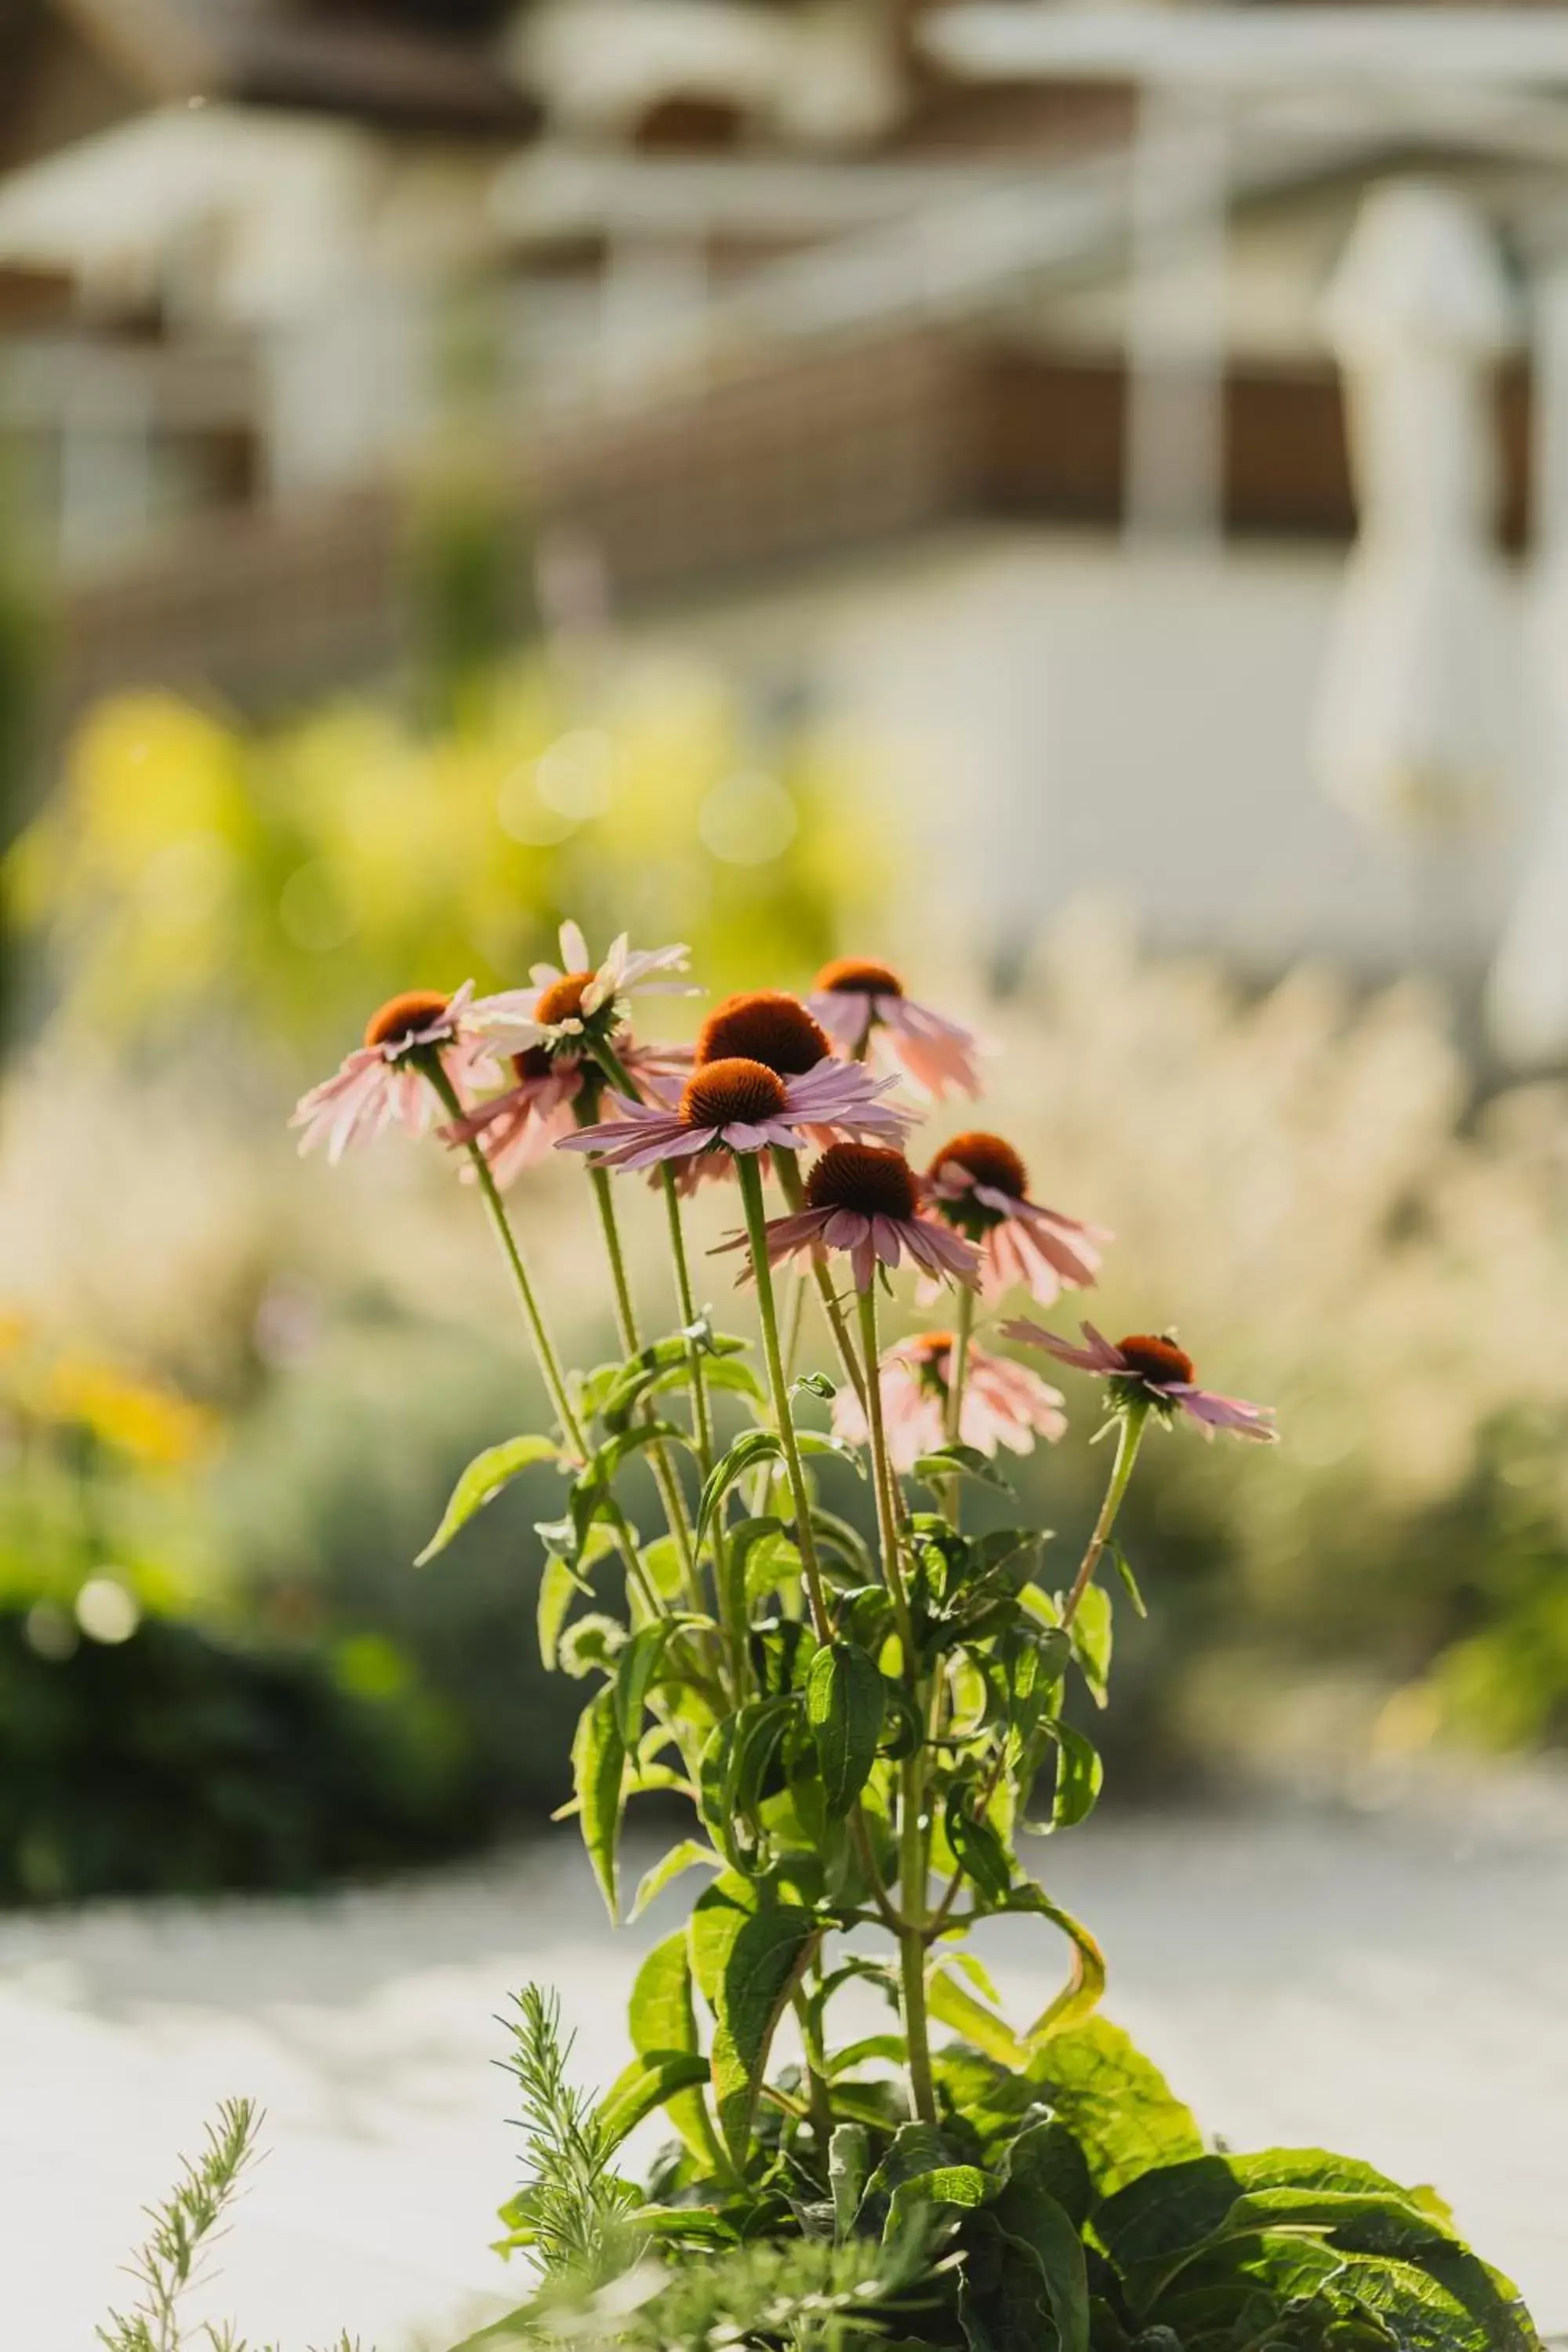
858, 1727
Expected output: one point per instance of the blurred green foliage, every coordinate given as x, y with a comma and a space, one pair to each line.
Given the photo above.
210, 1614
189, 873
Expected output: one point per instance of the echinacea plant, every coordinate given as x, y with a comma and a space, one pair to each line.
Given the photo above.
859, 1728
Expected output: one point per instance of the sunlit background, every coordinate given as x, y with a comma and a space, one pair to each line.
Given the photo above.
1070, 498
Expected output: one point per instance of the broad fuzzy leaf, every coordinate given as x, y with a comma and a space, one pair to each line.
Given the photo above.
1115, 2101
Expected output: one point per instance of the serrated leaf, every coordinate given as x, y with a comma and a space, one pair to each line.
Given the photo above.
1115, 2101
748, 1949
598, 1768
482, 1481
687, 1855
844, 1707
960, 1461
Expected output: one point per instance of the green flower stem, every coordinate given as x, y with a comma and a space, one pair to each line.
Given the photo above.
957, 1373
818, 2094
885, 1489
913, 1940
958, 1370
912, 1865
1134, 1419
751, 1179
787, 1166
616, 1070
544, 1347
549, 1362
666, 1476
701, 1415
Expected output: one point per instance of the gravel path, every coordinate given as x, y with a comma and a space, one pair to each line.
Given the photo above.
1366, 1983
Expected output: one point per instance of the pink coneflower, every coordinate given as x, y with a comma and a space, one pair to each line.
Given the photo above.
1146, 1369
380, 1084
770, 1026
739, 1105
516, 1130
1003, 1403
859, 1003
565, 1007
866, 1200
978, 1184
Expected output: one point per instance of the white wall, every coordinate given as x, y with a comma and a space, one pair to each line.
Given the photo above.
1062, 717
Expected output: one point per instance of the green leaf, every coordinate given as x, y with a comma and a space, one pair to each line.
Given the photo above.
952, 2003
591, 1494
752, 1447
1115, 2101
748, 1949
1035, 2220
598, 1768
1080, 1776
653, 2080
849, 2158
963, 2186
1091, 1633
559, 1586
663, 1363
1208, 2214
960, 1461
662, 2017
814, 1384
1080, 1995
1124, 1571
844, 1704
483, 1479
637, 1667
836, 1534
687, 1855
978, 1849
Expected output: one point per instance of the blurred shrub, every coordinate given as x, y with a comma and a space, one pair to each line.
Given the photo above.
189, 874
1303, 1183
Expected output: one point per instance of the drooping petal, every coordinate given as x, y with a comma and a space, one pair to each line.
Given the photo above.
1212, 1411
575, 955
1098, 1355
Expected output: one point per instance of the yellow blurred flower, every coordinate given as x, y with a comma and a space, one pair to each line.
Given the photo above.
149, 1424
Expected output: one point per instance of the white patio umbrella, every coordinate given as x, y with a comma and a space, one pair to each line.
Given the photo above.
1416, 724
1527, 1002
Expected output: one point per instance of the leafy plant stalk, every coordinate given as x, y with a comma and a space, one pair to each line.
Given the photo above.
767, 1315
1131, 1421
